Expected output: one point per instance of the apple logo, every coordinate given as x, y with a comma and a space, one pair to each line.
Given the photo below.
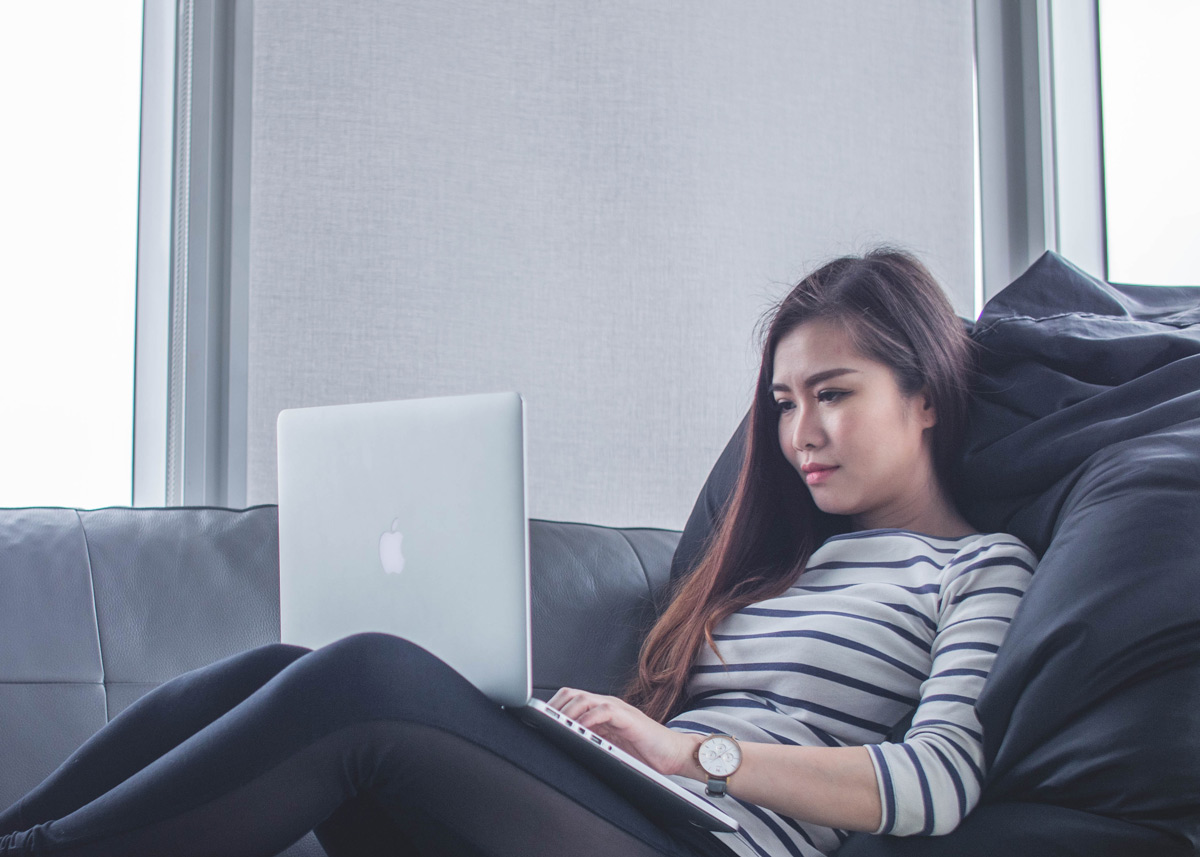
390, 555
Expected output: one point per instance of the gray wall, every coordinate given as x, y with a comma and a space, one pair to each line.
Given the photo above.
591, 203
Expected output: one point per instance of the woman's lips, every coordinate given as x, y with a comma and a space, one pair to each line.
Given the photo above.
818, 476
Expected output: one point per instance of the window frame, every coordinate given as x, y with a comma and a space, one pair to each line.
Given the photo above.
189, 444
1040, 133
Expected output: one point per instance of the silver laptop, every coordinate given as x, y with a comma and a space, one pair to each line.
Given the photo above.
409, 517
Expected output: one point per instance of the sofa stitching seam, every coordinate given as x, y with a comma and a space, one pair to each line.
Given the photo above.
641, 564
87, 553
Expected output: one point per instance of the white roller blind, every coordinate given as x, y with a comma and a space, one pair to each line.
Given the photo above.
589, 203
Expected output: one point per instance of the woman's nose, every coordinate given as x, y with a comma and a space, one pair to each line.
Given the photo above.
806, 432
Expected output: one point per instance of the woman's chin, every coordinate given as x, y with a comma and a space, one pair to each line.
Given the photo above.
829, 503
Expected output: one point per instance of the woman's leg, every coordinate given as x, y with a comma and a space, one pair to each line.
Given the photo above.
513, 815
154, 724
369, 726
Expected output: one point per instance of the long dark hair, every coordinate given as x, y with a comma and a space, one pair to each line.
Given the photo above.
895, 313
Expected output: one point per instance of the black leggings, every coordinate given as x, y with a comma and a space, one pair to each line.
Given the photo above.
371, 741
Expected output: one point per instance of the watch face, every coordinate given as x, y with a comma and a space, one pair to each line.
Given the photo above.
719, 757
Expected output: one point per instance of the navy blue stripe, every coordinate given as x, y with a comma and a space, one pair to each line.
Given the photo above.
978, 736
924, 589
977, 647
1005, 619
908, 608
867, 534
959, 789
826, 737
965, 755
704, 728
992, 562
703, 703
805, 705
745, 834
992, 590
926, 795
898, 630
684, 725
836, 640
795, 825
821, 735
967, 557
834, 564
957, 748
889, 790
970, 555
961, 671
780, 738
947, 697
816, 672
766, 819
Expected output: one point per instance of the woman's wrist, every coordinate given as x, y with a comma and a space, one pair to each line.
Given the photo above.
687, 766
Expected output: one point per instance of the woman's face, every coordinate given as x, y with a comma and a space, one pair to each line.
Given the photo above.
843, 414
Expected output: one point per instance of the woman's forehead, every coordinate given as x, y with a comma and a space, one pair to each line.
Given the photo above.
816, 348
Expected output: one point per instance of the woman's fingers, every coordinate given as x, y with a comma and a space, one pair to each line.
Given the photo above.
560, 698
576, 704
621, 723
592, 713
586, 709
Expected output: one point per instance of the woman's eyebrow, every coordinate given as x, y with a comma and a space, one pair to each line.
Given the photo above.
813, 380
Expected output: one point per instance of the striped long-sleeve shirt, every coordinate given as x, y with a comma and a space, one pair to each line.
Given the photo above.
880, 622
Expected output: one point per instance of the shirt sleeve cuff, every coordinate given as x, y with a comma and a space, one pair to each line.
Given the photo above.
887, 798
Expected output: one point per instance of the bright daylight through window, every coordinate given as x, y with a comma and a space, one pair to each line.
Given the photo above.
1149, 79
70, 82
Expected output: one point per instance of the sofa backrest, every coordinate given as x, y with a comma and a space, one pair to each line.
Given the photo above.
97, 607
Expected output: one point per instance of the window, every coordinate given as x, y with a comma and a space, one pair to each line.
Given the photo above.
1149, 77
70, 81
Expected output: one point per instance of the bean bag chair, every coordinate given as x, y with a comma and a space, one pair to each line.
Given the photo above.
1084, 442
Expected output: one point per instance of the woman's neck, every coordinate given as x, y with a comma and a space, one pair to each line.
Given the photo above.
931, 512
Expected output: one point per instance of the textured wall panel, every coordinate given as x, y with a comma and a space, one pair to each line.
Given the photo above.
589, 203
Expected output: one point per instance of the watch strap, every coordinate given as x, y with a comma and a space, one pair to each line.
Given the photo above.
716, 786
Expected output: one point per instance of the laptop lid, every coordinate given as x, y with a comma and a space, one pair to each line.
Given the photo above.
409, 517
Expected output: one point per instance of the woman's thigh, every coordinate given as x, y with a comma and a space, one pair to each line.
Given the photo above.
459, 775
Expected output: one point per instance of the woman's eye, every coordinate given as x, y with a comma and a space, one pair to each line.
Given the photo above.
783, 405
830, 395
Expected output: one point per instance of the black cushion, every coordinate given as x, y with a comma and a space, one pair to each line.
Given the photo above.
1084, 441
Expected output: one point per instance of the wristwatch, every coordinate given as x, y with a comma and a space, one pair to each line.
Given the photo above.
719, 756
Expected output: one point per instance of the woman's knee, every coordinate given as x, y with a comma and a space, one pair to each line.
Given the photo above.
372, 649
273, 655
254, 666
394, 674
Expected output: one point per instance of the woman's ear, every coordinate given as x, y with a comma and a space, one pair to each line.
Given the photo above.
927, 413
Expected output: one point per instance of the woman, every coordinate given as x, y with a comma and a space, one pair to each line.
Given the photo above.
841, 590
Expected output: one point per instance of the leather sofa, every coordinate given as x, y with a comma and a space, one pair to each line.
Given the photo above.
98, 607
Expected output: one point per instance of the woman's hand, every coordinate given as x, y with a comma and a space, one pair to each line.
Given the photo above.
775, 776
618, 722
